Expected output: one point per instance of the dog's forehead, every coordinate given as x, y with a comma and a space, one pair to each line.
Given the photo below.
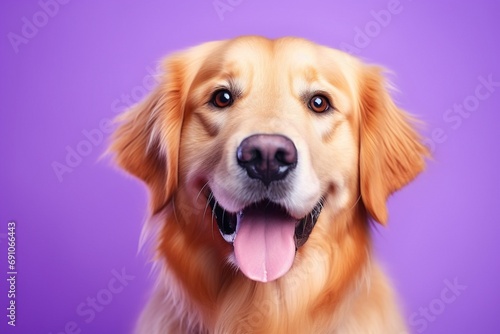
266, 54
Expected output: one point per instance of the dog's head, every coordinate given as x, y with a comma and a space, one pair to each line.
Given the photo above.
269, 134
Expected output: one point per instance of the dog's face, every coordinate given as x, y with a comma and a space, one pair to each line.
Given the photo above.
265, 137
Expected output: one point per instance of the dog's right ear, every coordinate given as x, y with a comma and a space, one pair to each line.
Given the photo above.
146, 143
138, 151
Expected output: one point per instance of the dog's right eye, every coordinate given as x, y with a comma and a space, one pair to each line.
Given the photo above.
222, 98
319, 104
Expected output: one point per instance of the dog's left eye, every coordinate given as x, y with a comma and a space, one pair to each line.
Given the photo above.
319, 104
222, 98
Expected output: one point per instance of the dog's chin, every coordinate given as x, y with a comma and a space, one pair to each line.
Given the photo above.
265, 236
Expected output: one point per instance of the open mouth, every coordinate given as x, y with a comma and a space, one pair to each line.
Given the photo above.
265, 236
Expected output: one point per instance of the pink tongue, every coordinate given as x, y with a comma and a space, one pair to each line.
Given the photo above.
264, 245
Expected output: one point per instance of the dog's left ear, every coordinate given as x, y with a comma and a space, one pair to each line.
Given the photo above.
391, 151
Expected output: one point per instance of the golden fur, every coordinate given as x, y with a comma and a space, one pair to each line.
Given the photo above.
354, 156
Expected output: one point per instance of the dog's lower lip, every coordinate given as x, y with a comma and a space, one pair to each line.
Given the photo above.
228, 227
306, 224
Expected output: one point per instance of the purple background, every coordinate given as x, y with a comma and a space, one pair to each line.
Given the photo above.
82, 61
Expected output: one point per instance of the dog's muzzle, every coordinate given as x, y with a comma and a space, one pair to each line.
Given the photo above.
264, 234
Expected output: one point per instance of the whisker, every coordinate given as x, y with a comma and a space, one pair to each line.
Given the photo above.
201, 190
304, 226
207, 204
223, 213
205, 211
208, 200
355, 203
213, 218
322, 202
175, 210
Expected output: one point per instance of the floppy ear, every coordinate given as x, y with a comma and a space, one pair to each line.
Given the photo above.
391, 152
137, 141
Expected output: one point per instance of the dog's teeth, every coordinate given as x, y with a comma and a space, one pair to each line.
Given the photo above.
229, 237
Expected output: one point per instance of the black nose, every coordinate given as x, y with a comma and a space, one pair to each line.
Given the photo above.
267, 157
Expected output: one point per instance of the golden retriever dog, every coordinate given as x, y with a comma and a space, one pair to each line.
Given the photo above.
267, 161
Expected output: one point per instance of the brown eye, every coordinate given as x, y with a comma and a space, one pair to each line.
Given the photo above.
222, 98
319, 104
